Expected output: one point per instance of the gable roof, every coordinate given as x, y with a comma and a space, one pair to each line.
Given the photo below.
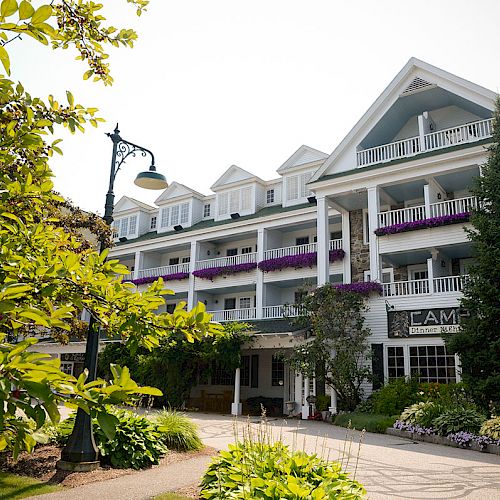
128, 203
416, 75
303, 155
176, 190
234, 174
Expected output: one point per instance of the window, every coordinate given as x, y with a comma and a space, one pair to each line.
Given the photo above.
277, 371
124, 227
67, 367
254, 371
173, 261
185, 260
270, 196
170, 308
296, 186
246, 250
245, 303
245, 371
246, 198
153, 223
299, 296
174, 216
229, 304
222, 203
206, 210
165, 216
304, 240
231, 251
395, 362
132, 224
234, 201
221, 375
184, 213
432, 363
336, 235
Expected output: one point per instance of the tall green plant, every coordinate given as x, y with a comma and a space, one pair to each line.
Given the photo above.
478, 341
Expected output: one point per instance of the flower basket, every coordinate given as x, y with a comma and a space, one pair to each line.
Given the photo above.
166, 277
213, 272
298, 261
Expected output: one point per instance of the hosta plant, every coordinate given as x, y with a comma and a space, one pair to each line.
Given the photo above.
491, 428
458, 419
422, 413
270, 470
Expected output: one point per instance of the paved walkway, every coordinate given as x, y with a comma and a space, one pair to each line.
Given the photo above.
388, 466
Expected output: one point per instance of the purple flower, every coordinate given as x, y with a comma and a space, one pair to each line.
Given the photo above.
423, 223
413, 428
297, 261
364, 288
166, 277
212, 272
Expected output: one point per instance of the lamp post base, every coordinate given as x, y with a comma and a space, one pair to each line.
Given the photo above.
77, 466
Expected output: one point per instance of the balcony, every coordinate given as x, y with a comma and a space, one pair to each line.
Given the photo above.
164, 270
280, 311
233, 260
277, 253
468, 133
234, 314
444, 284
418, 213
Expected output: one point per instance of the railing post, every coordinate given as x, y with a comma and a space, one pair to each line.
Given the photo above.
193, 256
427, 201
373, 210
323, 241
346, 246
260, 287
430, 274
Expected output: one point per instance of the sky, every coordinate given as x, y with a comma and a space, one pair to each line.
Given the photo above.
214, 83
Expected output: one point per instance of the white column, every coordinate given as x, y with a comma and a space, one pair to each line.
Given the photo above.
430, 273
421, 131
260, 287
373, 210
298, 392
333, 401
138, 262
236, 405
323, 242
192, 262
427, 201
305, 406
346, 246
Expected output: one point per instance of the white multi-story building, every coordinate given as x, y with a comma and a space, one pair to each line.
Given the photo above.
388, 205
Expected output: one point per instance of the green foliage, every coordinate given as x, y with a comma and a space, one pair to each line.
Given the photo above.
13, 487
136, 444
478, 341
422, 413
369, 422
322, 402
178, 431
491, 428
265, 470
57, 434
458, 419
395, 396
334, 321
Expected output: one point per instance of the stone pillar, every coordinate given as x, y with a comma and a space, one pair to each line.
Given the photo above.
373, 210
260, 298
236, 405
305, 405
346, 246
323, 242
192, 263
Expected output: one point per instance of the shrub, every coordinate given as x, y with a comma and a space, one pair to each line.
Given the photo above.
394, 397
491, 428
137, 443
458, 419
58, 434
178, 432
264, 470
422, 413
322, 402
369, 422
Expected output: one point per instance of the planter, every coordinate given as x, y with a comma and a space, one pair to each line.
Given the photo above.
443, 220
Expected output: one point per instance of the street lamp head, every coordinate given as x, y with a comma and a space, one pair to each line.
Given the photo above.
151, 179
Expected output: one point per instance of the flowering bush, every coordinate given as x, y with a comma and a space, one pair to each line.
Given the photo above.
491, 428
413, 428
363, 288
166, 277
212, 272
443, 220
297, 261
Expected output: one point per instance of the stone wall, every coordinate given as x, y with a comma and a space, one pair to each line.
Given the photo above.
360, 253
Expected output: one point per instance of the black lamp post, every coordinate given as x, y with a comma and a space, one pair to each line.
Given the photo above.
81, 452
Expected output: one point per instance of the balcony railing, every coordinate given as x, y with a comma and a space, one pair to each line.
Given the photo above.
153, 272
128, 277
444, 284
470, 132
413, 214
280, 311
233, 260
276, 253
234, 314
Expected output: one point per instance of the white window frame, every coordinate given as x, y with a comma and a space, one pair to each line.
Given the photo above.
154, 221
245, 300
207, 207
270, 196
247, 249
132, 224
68, 363
416, 268
184, 213
385, 270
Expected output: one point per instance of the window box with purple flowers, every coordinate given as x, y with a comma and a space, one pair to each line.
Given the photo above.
443, 220
213, 272
166, 277
364, 287
298, 261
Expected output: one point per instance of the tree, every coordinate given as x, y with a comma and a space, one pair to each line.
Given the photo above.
48, 274
335, 345
478, 341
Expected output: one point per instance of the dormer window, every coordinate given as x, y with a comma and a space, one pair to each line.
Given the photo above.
235, 201
206, 210
172, 216
270, 196
296, 186
126, 226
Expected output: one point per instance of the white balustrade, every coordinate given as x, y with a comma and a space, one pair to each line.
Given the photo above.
127, 277
388, 152
335, 245
452, 207
401, 215
234, 314
449, 283
280, 311
470, 132
411, 287
232, 260
276, 253
164, 270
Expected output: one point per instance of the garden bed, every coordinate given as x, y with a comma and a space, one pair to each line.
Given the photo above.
435, 439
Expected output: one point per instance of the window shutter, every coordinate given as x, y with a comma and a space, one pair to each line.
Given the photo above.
246, 198
254, 373
184, 213
124, 227
165, 214
378, 365
234, 201
133, 225
222, 203
174, 216
292, 187
304, 179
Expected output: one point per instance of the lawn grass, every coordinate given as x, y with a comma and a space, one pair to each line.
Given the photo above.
368, 421
170, 496
13, 486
